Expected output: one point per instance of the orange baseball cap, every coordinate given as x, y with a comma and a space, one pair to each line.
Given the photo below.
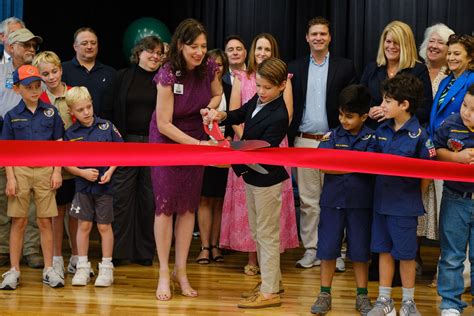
26, 74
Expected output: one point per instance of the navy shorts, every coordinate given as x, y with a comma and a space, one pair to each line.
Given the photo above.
65, 193
356, 223
395, 235
93, 208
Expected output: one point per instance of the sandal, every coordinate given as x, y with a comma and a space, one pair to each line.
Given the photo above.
201, 259
219, 257
251, 270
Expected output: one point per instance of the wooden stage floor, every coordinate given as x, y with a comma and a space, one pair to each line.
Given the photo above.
219, 287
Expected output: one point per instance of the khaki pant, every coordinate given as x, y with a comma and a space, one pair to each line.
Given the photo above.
32, 237
264, 206
310, 185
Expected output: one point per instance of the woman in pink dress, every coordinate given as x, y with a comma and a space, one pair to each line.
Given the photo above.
235, 231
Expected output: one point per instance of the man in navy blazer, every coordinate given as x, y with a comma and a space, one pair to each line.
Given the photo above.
317, 81
234, 47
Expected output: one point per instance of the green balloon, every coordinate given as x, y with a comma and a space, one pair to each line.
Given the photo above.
141, 28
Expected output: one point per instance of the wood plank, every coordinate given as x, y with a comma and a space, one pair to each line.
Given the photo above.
219, 286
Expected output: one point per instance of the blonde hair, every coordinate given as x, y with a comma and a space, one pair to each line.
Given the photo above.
48, 57
77, 94
403, 36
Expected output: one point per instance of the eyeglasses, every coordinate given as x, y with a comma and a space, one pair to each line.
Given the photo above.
29, 45
152, 52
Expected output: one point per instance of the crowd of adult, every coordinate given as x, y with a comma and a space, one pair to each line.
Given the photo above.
159, 98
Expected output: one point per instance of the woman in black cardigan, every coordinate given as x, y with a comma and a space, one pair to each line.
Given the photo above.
129, 105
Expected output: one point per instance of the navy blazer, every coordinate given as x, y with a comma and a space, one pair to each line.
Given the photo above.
453, 100
373, 76
341, 73
269, 124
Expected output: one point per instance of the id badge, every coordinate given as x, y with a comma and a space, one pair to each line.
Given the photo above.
178, 88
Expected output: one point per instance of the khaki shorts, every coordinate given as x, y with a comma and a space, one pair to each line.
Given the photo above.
37, 181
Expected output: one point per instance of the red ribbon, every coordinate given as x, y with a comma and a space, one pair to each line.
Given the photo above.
52, 153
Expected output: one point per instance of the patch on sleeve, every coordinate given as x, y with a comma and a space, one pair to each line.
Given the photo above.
104, 126
455, 144
431, 148
48, 112
367, 137
415, 135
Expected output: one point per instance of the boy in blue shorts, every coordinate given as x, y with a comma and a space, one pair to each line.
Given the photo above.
93, 198
31, 120
346, 201
397, 200
454, 142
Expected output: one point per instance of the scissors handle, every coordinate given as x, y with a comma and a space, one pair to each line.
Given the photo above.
214, 131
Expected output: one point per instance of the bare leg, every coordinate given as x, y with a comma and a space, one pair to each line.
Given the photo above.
46, 234
328, 267
408, 273
216, 207
205, 223
183, 235
386, 269
163, 236
58, 231
72, 225
83, 232
17, 232
107, 238
361, 271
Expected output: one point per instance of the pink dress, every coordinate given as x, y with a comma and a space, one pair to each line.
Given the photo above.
235, 231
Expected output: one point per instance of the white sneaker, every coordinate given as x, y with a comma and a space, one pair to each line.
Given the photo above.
83, 272
11, 280
106, 274
309, 260
52, 278
340, 265
58, 266
450, 312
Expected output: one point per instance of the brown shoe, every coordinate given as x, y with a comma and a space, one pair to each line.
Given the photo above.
256, 289
34, 260
259, 301
4, 259
251, 270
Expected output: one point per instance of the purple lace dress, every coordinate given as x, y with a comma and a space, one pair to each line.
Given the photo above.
177, 189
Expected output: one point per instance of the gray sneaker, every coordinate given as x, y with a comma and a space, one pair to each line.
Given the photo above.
11, 279
340, 265
409, 309
52, 278
363, 304
71, 267
322, 305
309, 260
383, 306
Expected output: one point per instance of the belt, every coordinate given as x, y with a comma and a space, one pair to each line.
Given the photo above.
464, 195
317, 137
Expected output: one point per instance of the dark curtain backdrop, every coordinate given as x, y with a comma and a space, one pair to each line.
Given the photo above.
355, 24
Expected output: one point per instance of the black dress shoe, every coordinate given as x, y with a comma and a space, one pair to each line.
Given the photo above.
120, 262
143, 262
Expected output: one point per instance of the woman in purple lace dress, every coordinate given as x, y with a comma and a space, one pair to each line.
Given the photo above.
186, 83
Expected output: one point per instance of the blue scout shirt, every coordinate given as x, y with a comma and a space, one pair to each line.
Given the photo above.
452, 134
352, 190
401, 196
100, 131
21, 124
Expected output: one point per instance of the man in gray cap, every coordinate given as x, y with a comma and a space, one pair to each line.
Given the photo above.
23, 45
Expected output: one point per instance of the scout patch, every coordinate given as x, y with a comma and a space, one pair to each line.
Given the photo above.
455, 144
48, 112
104, 126
431, 149
366, 137
415, 135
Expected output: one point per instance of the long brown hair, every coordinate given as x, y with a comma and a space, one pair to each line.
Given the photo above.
186, 33
252, 67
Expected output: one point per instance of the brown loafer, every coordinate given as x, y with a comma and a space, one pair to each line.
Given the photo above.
256, 289
259, 301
